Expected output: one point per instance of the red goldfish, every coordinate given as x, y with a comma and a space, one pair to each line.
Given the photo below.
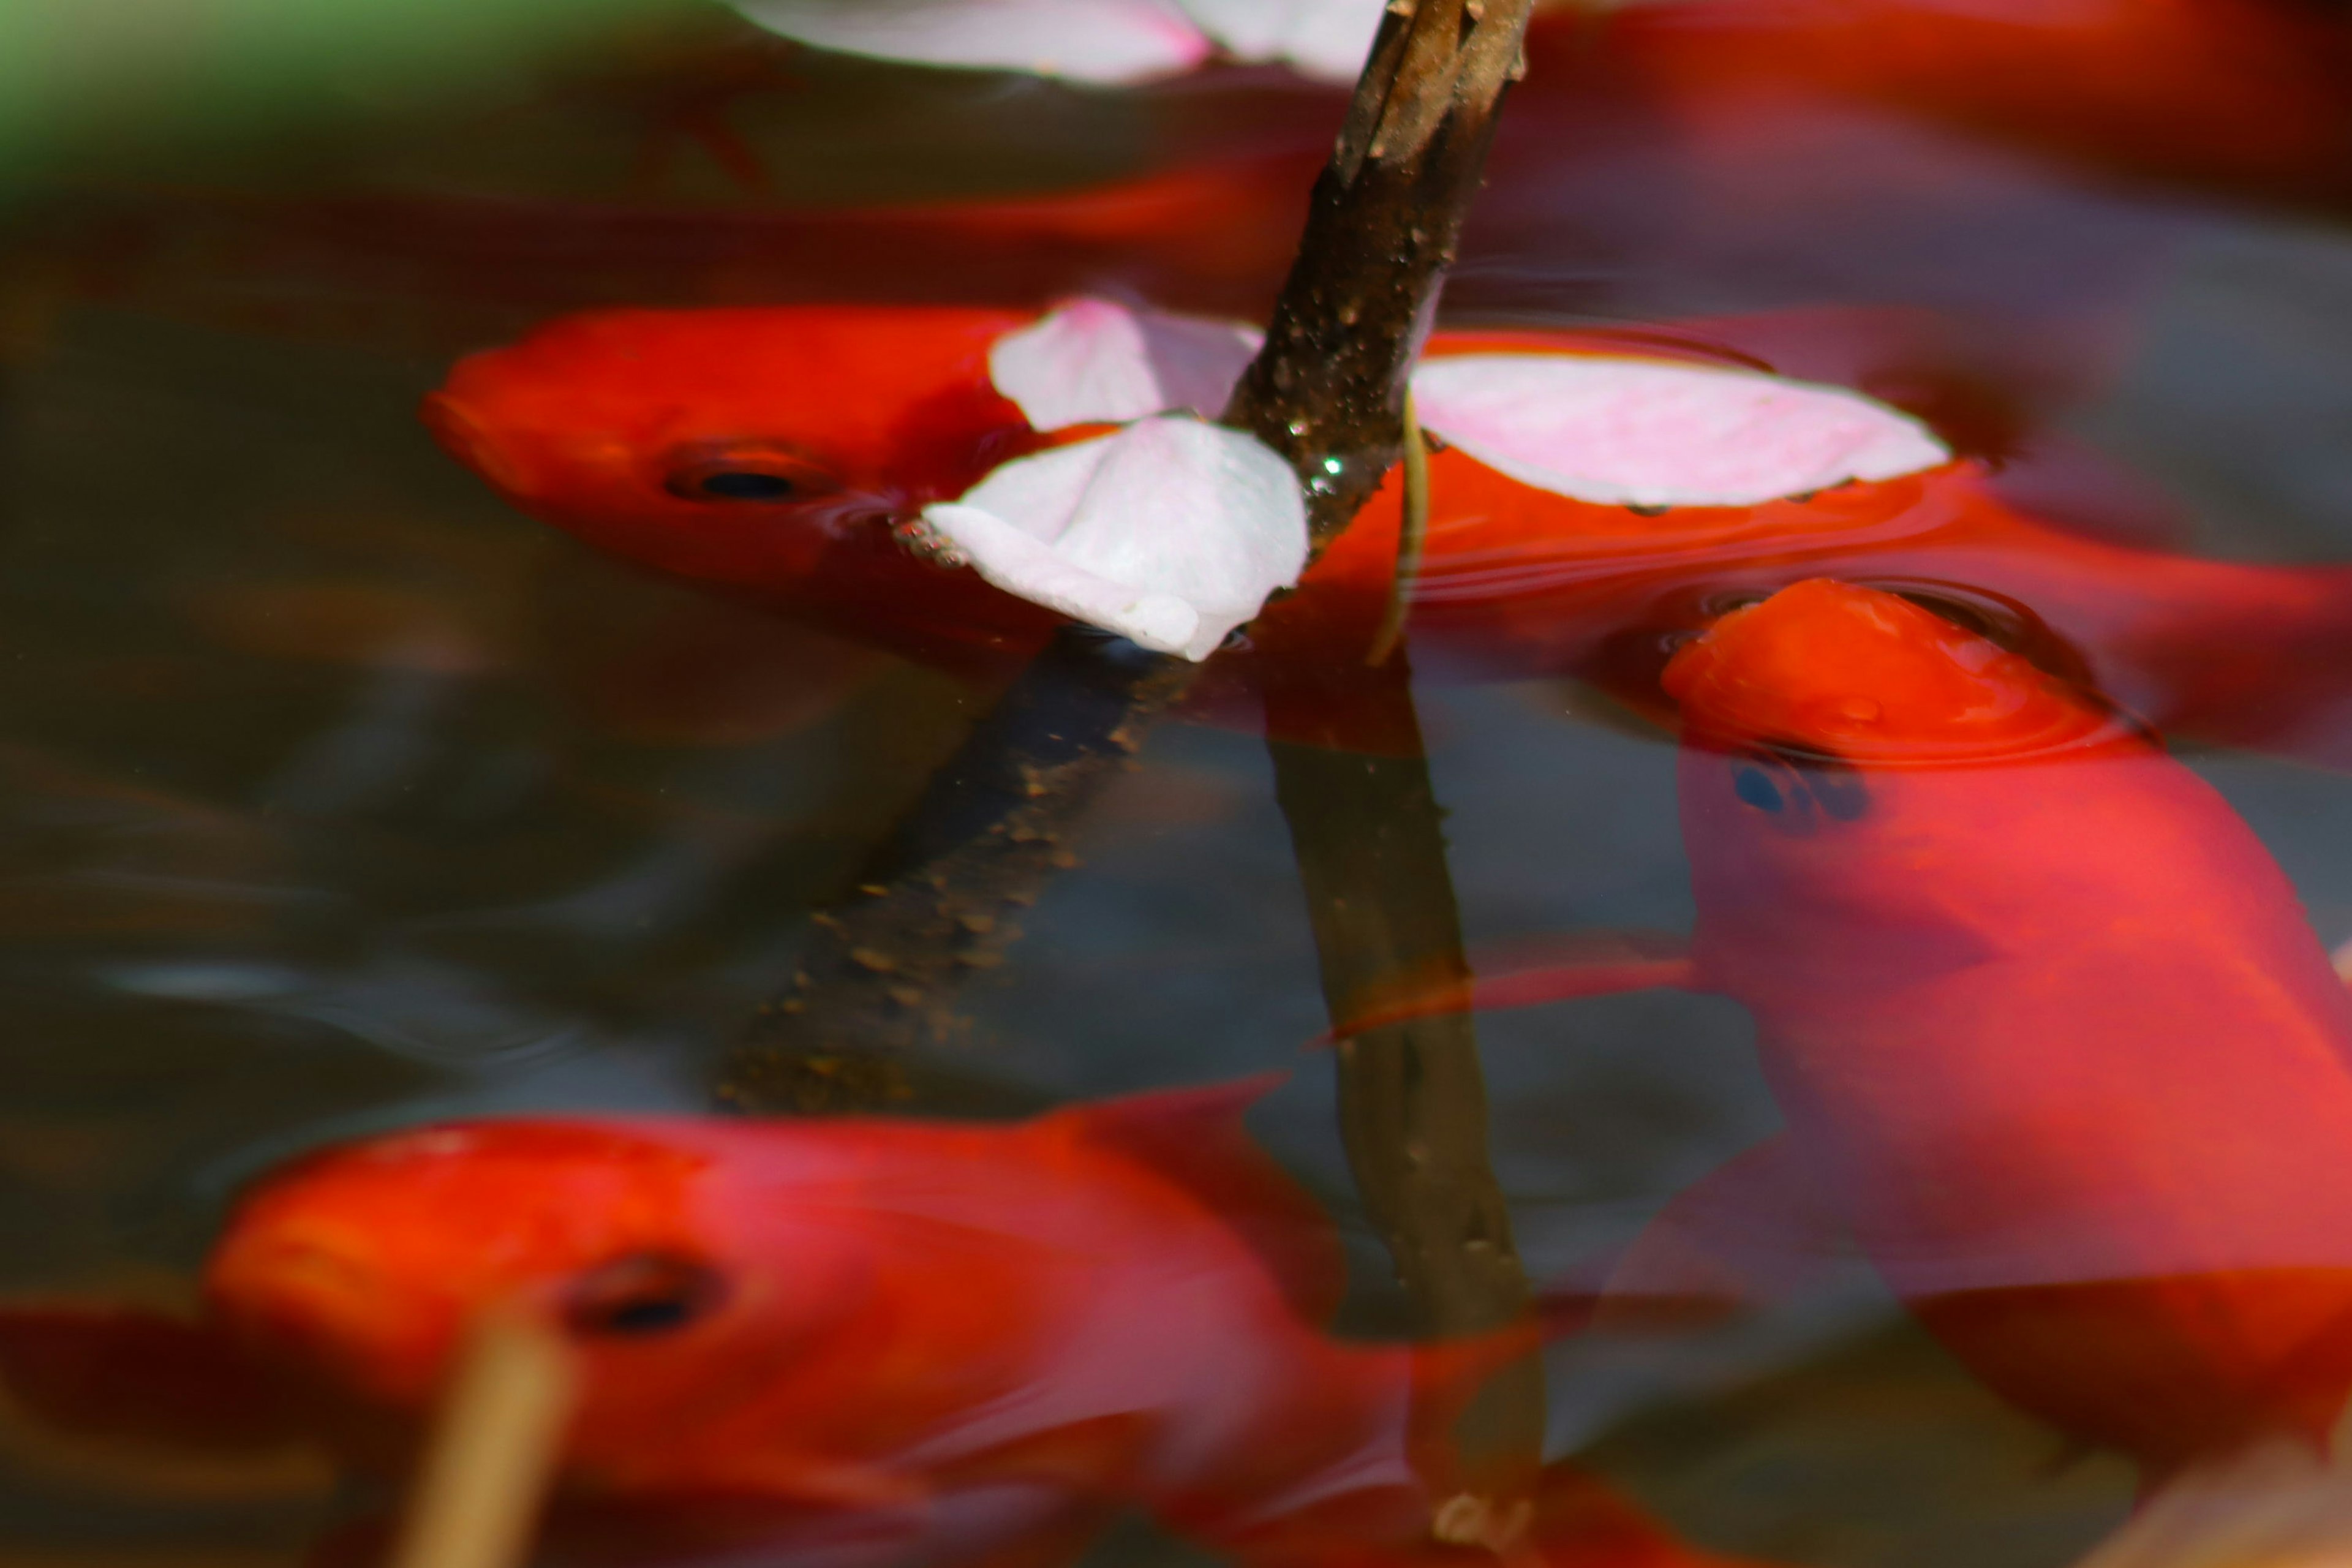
1659, 155
2252, 95
860, 1341
771, 451
2048, 1028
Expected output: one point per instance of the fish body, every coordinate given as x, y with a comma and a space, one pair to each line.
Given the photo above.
2050, 1035
2247, 97
772, 452
1518, 581
2046, 1020
765, 451
878, 1341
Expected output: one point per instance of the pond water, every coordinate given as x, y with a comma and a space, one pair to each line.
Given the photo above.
340, 796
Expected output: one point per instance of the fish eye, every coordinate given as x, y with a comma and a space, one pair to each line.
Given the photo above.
745, 472
1834, 783
745, 484
643, 1295
1753, 785
1793, 783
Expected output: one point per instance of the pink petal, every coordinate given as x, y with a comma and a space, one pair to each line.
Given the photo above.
1652, 433
1122, 531
1326, 40
1092, 360
1019, 564
1103, 41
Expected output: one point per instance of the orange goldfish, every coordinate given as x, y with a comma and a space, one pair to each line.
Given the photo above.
2050, 1033
1659, 155
773, 452
2250, 96
858, 1340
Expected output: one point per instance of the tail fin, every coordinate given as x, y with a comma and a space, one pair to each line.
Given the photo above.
1551, 969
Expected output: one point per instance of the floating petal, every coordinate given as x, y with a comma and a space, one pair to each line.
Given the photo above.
1101, 41
1093, 360
1327, 39
1650, 433
1170, 531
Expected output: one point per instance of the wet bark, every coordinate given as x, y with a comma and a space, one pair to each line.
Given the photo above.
1370, 838
1327, 390
942, 899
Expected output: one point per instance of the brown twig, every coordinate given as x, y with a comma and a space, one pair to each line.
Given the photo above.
883, 967
1370, 840
942, 899
1328, 392
493, 1449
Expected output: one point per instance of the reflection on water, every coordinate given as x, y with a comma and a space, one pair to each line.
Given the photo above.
342, 797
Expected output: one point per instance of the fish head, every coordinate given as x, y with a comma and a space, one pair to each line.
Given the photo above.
1857, 767
358, 1273
746, 447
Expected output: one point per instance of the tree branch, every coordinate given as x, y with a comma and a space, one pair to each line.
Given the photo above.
939, 902
882, 967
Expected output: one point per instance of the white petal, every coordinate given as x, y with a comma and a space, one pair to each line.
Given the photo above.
1648, 433
1094, 360
1123, 530
1103, 41
1020, 564
1327, 39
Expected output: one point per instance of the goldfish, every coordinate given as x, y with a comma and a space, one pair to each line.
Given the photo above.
858, 1341
2247, 97
773, 452
2050, 1033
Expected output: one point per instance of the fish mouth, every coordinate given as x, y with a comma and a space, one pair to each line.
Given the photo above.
307, 1300
463, 434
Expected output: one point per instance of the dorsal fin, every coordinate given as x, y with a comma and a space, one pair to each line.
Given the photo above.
125, 1373
1194, 1139
1532, 972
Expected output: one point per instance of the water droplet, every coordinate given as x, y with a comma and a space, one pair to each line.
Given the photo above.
1861, 709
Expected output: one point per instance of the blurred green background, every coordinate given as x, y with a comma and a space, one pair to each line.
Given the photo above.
80, 77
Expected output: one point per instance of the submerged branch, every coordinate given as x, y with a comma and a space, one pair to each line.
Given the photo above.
1370, 843
1328, 393
942, 899
884, 967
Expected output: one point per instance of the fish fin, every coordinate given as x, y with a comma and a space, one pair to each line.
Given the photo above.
1071, 1458
1555, 969
809, 1480
1194, 1139
133, 1375
1750, 1232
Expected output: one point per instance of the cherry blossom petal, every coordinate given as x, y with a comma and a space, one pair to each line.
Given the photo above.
1650, 433
1094, 360
1327, 39
1100, 41
1170, 531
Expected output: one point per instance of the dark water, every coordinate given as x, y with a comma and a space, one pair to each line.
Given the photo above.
331, 803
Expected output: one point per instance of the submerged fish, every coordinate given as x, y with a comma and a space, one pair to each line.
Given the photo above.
856, 1341
2253, 97
2050, 1032
773, 452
